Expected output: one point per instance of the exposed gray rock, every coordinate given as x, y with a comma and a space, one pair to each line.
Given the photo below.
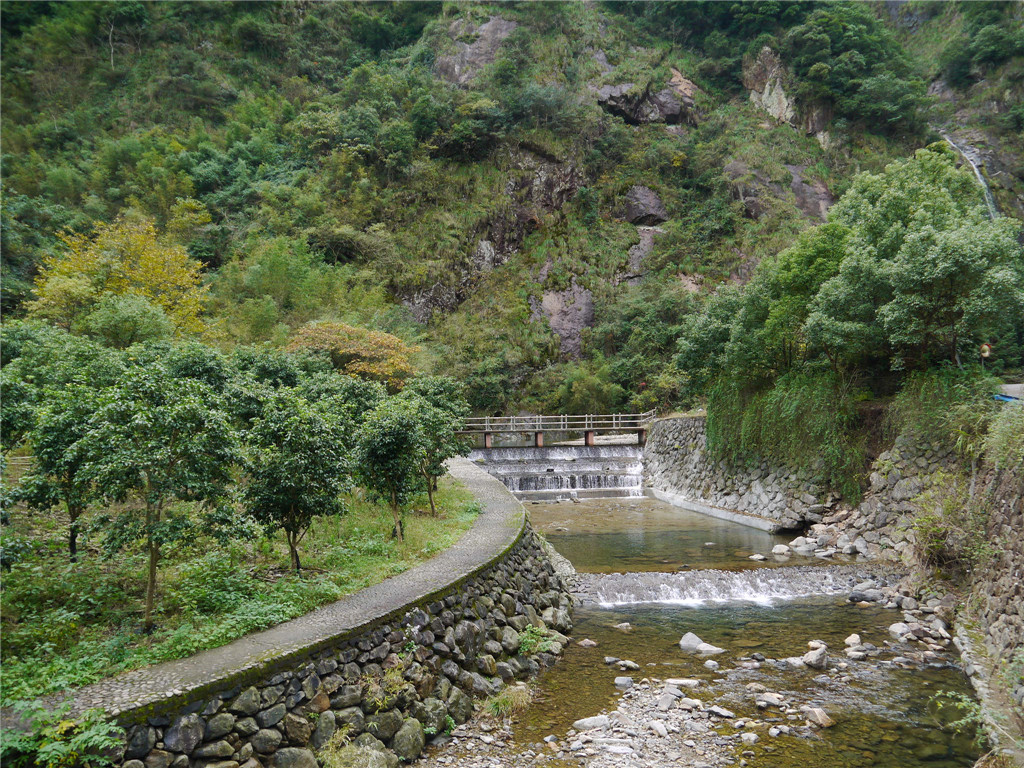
292, 757
185, 734
470, 57
643, 206
408, 742
266, 740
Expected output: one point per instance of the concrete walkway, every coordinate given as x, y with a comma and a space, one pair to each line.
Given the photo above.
496, 529
1013, 390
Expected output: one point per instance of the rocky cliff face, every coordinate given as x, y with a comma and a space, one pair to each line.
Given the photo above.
475, 48
766, 78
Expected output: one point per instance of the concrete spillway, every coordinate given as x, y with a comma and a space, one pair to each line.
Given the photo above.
565, 472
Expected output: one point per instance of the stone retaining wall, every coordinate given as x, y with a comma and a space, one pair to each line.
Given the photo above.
677, 463
389, 666
390, 686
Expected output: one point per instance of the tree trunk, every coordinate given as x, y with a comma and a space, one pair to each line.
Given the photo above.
396, 515
152, 517
293, 549
154, 555
74, 512
430, 494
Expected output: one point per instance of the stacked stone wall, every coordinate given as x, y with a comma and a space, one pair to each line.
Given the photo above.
390, 686
676, 460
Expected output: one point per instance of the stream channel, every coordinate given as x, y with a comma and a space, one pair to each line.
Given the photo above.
884, 713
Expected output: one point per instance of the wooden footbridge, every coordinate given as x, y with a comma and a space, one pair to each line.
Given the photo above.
589, 424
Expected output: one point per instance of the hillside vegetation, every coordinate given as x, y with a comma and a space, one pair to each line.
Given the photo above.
569, 207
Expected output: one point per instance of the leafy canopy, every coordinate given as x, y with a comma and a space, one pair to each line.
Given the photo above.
125, 257
296, 465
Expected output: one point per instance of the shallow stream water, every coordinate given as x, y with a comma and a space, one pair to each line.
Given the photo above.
643, 534
884, 715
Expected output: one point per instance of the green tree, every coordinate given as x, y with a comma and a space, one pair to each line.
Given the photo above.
926, 273
390, 454
121, 321
441, 409
17, 409
156, 440
296, 466
60, 474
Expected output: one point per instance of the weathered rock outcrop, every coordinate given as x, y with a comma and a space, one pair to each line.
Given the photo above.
537, 184
643, 206
469, 58
676, 103
767, 79
636, 266
567, 312
754, 190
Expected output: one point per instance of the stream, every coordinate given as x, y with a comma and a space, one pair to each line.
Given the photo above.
884, 714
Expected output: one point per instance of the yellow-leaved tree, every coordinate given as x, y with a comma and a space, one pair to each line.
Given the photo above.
125, 257
358, 351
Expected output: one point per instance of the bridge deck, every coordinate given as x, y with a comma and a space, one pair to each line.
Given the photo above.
588, 424
564, 423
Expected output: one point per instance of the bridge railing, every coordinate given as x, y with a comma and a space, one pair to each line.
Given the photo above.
565, 423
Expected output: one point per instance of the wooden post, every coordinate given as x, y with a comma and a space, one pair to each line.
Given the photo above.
538, 439
588, 437
488, 440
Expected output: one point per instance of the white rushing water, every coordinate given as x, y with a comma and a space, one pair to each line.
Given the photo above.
563, 472
967, 156
763, 586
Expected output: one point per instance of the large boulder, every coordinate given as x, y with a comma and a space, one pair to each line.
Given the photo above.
643, 206
638, 106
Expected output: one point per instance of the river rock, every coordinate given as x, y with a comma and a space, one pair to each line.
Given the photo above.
781, 549
683, 682
816, 659
718, 711
707, 649
592, 723
624, 682
750, 738
899, 630
757, 557
658, 727
817, 716
853, 640
768, 699
689, 642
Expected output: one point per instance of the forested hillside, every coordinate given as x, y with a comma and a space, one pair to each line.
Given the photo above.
539, 197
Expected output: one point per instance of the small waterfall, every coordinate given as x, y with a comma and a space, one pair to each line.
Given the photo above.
695, 588
966, 155
566, 471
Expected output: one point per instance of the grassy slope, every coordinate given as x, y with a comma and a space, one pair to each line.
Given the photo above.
68, 625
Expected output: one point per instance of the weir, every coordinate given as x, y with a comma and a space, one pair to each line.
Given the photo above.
764, 586
566, 471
